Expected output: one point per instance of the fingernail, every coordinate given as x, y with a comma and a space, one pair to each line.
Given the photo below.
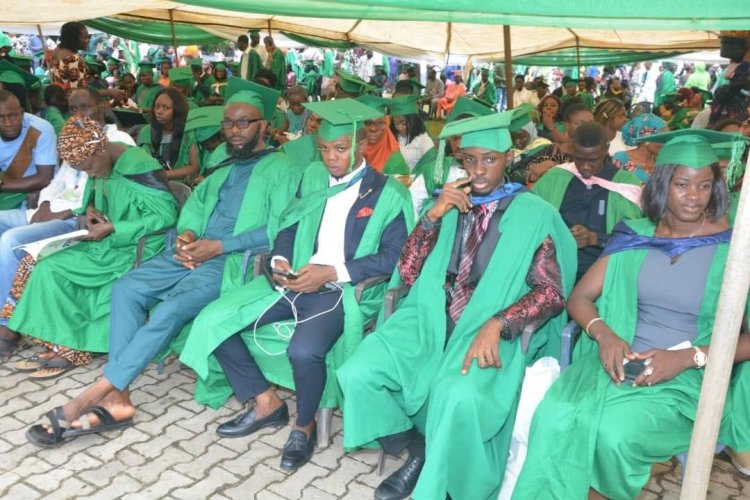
463, 372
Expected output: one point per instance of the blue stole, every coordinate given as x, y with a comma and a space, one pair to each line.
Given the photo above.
624, 238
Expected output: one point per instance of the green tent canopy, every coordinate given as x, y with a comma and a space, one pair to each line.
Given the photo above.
156, 32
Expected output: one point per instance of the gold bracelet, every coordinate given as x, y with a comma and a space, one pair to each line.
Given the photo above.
591, 323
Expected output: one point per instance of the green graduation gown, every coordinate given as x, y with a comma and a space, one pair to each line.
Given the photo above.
240, 307
144, 96
589, 432
254, 64
402, 370
66, 300
302, 151
489, 95
278, 68
554, 183
183, 157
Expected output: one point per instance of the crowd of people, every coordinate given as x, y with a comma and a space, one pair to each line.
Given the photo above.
487, 237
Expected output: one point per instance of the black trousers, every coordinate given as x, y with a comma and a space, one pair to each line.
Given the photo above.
307, 351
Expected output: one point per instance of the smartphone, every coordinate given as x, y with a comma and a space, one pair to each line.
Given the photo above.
288, 275
634, 368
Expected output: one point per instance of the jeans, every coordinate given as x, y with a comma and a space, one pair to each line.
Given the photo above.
14, 231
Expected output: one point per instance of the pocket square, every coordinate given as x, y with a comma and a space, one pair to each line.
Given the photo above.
364, 212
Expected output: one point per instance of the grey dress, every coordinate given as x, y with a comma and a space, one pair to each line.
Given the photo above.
670, 297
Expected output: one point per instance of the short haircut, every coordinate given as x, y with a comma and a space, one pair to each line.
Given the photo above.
520, 76
297, 90
6, 96
656, 192
268, 40
590, 135
93, 93
571, 108
53, 92
403, 87
243, 39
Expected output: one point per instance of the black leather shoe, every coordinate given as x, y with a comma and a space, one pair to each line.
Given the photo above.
246, 424
401, 483
298, 450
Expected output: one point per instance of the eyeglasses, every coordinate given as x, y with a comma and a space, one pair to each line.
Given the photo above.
241, 124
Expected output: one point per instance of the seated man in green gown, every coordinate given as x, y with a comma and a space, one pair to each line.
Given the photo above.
441, 376
230, 212
147, 88
347, 224
591, 194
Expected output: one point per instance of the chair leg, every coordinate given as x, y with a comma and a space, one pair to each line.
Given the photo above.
381, 462
324, 417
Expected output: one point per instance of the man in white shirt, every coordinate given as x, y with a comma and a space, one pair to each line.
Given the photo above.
54, 213
521, 94
347, 225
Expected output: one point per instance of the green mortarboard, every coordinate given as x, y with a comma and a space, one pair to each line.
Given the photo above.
22, 61
691, 148
93, 63
466, 105
341, 116
220, 65
161, 60
375, 102
352, 84
196, 62
403, 105
146, 67
255, 32
262, 98
489, 132
181, 76
520, 116
112, 60
10, 73
571, 82
205, 121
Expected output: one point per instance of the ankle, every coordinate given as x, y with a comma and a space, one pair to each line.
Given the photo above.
307, 429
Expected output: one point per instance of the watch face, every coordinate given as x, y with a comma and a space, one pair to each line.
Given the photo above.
700, 358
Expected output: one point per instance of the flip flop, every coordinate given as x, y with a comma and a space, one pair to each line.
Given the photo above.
31, 364
53, 368
106, 423
38, 435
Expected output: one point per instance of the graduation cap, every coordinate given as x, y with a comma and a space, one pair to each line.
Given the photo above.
181, 76
469, 106
93, 63
691, 148
375, 102
341, 117
489, 132
161, 60
196, 62
403, 105
205, 121
24, 62
520, 116
146, 67
352, 84
10, 73
220, 65
256, 95
115, 62
571, 82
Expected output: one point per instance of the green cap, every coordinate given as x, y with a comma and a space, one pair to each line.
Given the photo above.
10, 73
467, 105
255, 32
25, 62
196, 62
181, 76
375, 102
404, 105
341, 116
352, 84
691, 148
205, 121
489, 132
262, 98
220, 65
520, 116
161, 60
572, 82
146, 67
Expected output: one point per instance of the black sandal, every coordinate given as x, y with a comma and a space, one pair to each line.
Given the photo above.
106, 423
40, 435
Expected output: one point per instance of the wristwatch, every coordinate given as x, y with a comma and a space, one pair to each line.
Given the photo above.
700, 358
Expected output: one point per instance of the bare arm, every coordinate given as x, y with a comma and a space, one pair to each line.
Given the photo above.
35, 182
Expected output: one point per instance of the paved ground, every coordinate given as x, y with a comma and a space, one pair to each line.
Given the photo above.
173, 451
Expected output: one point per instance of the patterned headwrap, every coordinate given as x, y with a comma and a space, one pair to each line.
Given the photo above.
642, 125
79, 139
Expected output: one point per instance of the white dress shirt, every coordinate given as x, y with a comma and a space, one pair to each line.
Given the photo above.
333, 226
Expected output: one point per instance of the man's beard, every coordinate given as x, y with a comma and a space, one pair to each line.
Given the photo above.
244, 152
6, 138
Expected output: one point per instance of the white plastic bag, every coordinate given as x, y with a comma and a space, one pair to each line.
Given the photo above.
537, 380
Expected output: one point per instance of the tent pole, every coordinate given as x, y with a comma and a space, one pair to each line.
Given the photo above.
727, 326
509, 77
578, 56
174, 37
41, 37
